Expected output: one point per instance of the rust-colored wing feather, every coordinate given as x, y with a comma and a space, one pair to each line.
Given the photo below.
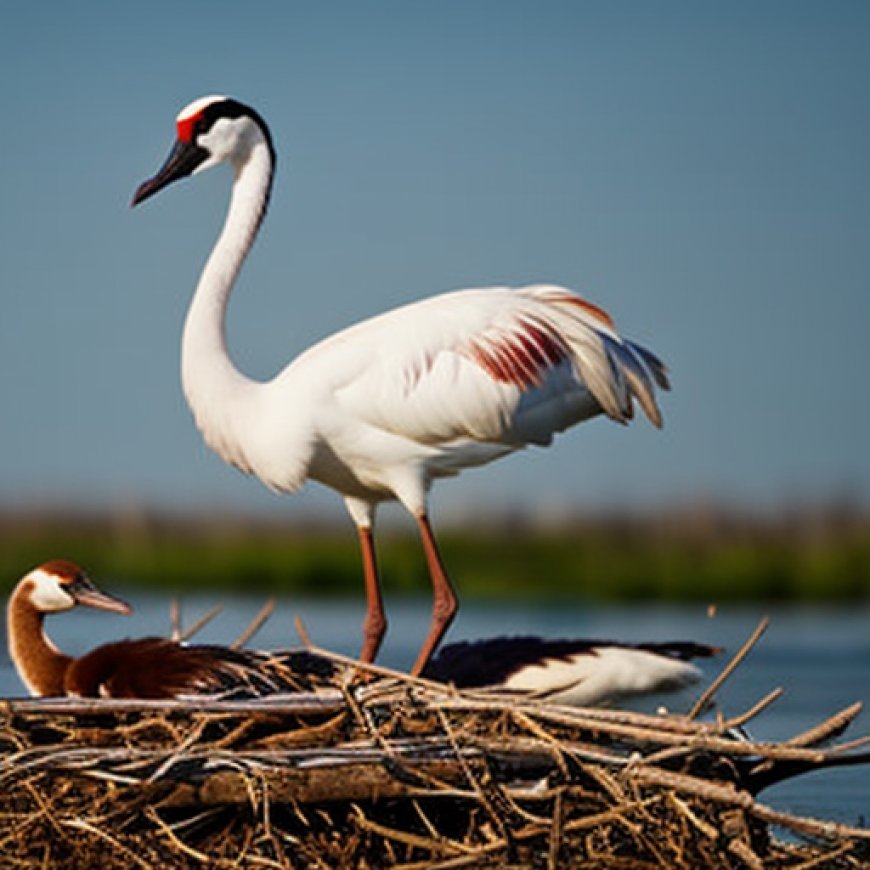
153, 668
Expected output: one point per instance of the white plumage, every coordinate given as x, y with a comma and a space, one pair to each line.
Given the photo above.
576, 671
607, 676
381, 409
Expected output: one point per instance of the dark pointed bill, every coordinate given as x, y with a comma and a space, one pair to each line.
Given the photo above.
182, 160
86, 594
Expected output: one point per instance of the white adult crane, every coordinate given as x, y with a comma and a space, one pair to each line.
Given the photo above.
381, 409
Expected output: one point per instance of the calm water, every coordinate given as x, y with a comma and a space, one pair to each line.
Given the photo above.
820, 656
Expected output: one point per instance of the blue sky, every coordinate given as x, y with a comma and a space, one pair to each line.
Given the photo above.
698, 169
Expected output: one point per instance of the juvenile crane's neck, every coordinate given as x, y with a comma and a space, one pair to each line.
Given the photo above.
212, 384
39, 662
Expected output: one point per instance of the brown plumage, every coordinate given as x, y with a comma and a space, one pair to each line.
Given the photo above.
155, 667
151, 667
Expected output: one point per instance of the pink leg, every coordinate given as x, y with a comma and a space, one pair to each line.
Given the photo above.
375, 622
444, 603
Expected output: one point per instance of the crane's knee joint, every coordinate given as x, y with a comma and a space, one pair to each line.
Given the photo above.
443, 610
375, 626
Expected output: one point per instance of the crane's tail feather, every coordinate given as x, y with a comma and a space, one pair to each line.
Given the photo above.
616, 371
658, 369
631, 380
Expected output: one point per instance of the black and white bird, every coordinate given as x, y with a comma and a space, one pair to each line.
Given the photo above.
579, 672
381, 409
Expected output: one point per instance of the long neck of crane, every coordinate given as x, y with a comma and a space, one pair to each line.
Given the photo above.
212, 384
41, 665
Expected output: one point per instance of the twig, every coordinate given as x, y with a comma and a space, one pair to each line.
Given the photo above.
82, 825
744, 852
827, 859
470, 777
302, 631
555, 833
295, 703
702, 702
726, 793
831, 727
174, 619
200, 623
752, 712
255, 624
434, 847
174, 839
541, 733
849, 746
435, 834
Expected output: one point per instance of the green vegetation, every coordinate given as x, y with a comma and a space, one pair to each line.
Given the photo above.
691, 556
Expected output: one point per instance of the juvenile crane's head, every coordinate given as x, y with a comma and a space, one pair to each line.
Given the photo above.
61, 585
209, 131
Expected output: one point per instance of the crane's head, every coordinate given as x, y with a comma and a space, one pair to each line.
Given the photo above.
61, 585
209, 131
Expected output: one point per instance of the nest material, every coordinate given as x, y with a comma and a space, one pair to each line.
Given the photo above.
385, 771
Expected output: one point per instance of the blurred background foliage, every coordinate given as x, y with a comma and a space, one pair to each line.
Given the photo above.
693, 554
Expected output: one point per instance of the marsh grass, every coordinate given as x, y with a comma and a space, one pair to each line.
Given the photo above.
692, 555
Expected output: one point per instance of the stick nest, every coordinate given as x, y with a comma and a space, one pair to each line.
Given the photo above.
385, 771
